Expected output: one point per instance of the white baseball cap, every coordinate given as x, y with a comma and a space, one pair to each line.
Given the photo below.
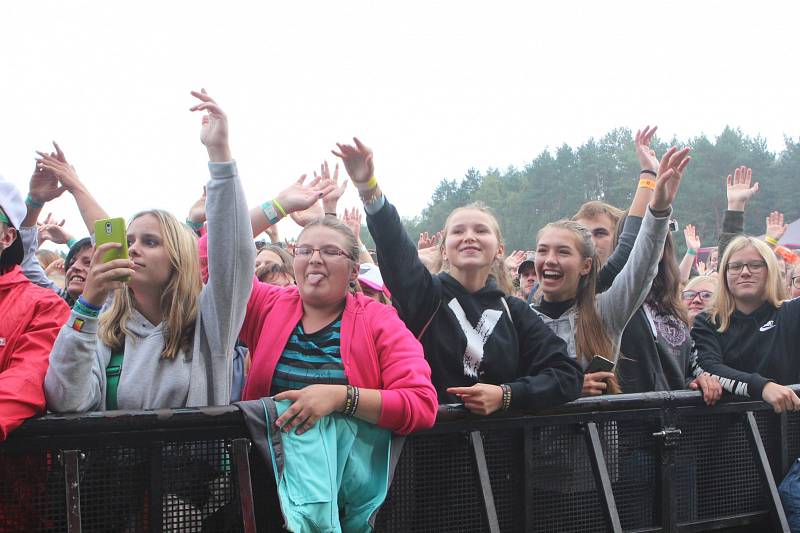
13, 206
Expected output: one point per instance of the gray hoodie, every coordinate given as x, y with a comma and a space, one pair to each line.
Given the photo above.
76, 379
627, 293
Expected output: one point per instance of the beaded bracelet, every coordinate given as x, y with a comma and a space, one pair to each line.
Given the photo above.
506, 397
356, 397
348, 401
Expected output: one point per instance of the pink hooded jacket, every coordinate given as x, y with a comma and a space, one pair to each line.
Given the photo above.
378, 352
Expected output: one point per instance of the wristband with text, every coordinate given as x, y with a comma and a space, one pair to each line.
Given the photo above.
647, 184
270, 212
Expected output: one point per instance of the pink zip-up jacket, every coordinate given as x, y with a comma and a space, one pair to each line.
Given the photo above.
378, 352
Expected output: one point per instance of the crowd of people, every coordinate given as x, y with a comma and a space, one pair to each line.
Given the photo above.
207, 312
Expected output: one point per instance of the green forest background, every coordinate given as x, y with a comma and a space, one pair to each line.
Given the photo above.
555, 183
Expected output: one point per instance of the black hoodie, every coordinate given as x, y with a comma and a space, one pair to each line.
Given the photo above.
517, 349
757, 348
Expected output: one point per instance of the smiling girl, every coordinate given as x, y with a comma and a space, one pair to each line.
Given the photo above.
486, 349
567, 266
750, 339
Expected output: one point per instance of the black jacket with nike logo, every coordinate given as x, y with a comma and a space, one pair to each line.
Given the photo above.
757, 348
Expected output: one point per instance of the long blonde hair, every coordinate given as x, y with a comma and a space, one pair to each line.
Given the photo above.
498, 270
179, 301
724, 303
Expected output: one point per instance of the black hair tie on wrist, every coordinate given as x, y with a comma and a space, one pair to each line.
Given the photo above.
645, 171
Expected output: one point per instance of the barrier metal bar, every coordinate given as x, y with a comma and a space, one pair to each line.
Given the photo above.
484, 481
602, 481
241, 459
70, 460
754, 435
667, 471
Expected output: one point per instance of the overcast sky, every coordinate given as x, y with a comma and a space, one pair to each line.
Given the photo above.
433, 87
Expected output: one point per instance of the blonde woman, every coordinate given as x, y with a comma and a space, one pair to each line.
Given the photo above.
750, 339
698, 294
164, 341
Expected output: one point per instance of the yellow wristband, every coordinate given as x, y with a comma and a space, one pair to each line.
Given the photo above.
371, 184
771, 240
279, 206
647, 184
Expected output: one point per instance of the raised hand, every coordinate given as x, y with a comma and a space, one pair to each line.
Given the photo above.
299, 197
352, 218
197, 213
214, 127
105, 277
272, 233
358, 163
775, 226
426, 241
740, 188
55, 268
690, 235
668, 178
53, 231
331, 199
514, 260
647, 156
51, 169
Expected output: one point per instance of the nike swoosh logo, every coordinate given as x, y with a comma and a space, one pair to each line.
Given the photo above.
769, 325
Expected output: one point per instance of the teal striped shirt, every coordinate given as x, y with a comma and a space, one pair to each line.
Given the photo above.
310, 358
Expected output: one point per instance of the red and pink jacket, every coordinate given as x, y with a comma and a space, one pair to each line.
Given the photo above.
378, 352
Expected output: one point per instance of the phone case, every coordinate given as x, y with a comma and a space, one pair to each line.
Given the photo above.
112, 230
599, 364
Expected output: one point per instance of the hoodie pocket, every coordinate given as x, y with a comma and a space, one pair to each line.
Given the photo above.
308, 472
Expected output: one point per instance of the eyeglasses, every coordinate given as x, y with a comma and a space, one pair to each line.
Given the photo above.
327, 252
796, 282
752, 267
691, 295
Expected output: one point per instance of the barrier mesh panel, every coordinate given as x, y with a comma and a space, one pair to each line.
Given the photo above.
435, 488
27, 484
564, 495
718, 460
632, 456
504, 458
196, 483
793, 435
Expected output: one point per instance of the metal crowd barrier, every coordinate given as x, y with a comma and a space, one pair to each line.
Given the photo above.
651, 462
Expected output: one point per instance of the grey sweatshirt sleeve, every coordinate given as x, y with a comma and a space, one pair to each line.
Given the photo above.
631, 286
75, 379
620, 254
30, 264
223, 302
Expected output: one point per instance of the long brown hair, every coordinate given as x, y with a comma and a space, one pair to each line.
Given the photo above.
665, 294
498, 270
590, 332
